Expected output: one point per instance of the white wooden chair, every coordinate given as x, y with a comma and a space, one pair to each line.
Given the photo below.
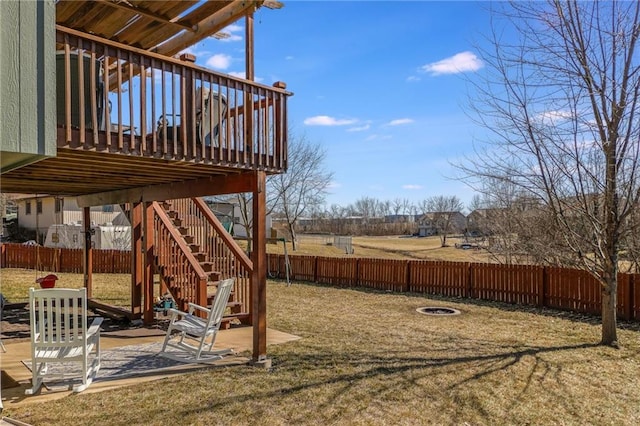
59, 335
194, 342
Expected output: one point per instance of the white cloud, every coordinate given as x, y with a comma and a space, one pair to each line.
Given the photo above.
412, 187
232, 37
233, 28
413, 78
219, 61
400, 121
359, 129
288, 58
325, 120
232, 31
554, 116
460, 62
334, 184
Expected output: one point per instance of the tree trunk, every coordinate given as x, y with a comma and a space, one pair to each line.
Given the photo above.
294, 242
609, 304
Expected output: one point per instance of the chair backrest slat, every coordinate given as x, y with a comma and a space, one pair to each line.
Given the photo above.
58, 316
220, 302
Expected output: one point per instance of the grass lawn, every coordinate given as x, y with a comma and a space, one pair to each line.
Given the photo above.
391, 247
368, 358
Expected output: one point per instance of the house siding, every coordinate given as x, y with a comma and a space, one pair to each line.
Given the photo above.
27, 82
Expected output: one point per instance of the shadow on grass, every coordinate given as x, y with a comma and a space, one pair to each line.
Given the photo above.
398, 373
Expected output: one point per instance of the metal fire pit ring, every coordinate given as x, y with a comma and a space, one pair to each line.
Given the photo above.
438, 311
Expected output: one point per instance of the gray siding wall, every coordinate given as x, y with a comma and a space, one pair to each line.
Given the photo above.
27, 82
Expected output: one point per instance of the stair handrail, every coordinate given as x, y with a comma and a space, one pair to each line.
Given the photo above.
166, 221
222, 232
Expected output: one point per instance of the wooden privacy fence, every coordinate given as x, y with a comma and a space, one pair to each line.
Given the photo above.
64, 260
552, 287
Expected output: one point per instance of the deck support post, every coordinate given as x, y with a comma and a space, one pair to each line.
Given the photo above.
148, 246
259, 277
136, 260
87, 261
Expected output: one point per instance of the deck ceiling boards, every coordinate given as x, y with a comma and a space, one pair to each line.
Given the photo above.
132, 22
77, 173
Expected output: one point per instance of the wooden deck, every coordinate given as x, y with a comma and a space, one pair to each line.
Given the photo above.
130, 118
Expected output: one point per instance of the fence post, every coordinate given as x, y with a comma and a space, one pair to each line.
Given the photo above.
469, 285
543, 287
628, 304
407, 276
632, 297
315, 269
57, 264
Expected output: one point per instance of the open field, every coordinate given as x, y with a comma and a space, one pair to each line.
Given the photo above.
392, 247
369, 358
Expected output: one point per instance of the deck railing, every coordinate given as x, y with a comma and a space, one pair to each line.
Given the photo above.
222, 251
120, 99
179, 270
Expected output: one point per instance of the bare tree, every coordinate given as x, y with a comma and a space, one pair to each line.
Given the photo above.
367, 207
441, 210
244, 201
303, 186
561, 102
401, 205
477, 202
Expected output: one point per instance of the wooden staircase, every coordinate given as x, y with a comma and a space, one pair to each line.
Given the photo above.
195, 252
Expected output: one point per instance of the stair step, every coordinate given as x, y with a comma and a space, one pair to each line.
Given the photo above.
177, 222
241, 317
200, 256
167, 205
183, 230
195, 248
214, 276
189, 239
207, 266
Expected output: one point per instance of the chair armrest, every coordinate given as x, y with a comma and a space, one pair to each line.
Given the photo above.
193, 306
175, 313
95, 326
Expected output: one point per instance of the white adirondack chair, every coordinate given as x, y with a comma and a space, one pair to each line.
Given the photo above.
194, 342
59, 335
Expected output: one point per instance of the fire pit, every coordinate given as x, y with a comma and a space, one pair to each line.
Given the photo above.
438, 311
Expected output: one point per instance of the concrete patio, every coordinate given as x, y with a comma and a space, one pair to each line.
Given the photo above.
16, 377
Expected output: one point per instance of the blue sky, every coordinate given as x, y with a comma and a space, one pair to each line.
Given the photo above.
381, 85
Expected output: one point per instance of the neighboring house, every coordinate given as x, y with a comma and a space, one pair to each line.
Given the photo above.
399, 218
433, 222
39, 213
479, 221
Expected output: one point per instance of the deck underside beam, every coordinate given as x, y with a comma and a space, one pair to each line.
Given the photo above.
215, 185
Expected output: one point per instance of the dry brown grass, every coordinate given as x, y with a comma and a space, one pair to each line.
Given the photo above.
393, 247
113, 289
369, 358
